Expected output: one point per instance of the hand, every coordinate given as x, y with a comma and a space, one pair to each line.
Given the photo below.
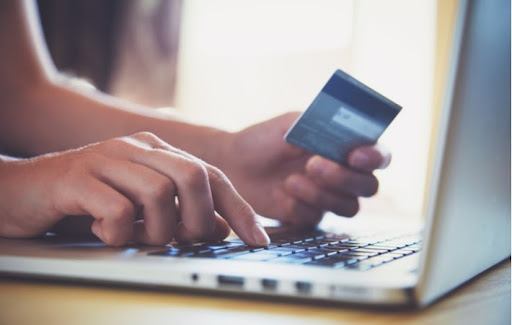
284, 182
136, 188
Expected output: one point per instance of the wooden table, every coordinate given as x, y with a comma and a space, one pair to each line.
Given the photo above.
485, 300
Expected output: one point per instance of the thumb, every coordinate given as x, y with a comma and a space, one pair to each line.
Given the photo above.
282, 124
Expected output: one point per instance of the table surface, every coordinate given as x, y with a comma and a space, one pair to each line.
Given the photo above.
484, 300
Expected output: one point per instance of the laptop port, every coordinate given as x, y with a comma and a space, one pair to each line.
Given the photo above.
232, 281
303, 287
269, 284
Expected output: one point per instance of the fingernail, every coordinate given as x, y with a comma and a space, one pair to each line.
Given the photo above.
260, 235
359, 159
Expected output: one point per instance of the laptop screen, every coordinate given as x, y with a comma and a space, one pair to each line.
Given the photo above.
469, 203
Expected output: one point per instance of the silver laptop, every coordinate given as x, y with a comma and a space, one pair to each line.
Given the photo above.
467, 227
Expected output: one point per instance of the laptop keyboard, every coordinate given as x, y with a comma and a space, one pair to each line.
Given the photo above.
314, 249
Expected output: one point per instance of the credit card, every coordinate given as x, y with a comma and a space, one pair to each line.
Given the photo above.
346, 114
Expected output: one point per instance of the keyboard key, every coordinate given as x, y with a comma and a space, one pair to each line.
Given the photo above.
335, 261
331, 250
283, 250
327, 262
297, 258
378, 249
315, 249
222, 244
218, 253
232, 252
396, 254
312, 244
329, 241
361, 266
172, 253
296, 248
381, 259
383, 247
414, 248
367, 252
316, 253
280, 242
257, 256
357, 256
347, 246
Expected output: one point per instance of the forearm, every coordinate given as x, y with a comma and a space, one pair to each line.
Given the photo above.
39, 113
53, 117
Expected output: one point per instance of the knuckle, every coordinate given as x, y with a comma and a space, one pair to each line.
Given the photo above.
121, 211
161, 190
146, 137
216, 174
195, 175
112, 145
77, 168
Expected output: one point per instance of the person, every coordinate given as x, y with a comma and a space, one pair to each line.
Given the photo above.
143, 176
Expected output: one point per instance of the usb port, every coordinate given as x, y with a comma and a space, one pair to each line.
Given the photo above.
269, 284
303, 287
229, 280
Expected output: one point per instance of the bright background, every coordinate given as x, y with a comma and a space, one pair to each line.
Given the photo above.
244, 61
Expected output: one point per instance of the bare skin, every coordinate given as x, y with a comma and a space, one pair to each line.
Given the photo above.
118, 162
129, 186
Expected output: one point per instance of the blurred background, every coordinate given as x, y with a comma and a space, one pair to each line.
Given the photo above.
232, 63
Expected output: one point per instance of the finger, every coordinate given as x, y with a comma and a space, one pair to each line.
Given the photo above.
305, 189
188, 174
222, 229
339, 179
213, 184
295, 211
282, 124
150, 190
265, 133
220, 232
369, 158
113, 213
238, 213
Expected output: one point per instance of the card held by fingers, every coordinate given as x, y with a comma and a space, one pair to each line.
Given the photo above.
346, 114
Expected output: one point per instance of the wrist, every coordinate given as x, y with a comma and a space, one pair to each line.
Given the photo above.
207, 143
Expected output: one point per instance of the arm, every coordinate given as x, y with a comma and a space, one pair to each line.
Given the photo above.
41, 113
128, 184
136, 188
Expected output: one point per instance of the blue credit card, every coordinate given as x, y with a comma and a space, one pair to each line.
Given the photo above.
346, 114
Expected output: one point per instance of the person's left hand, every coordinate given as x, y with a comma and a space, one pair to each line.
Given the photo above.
286, 183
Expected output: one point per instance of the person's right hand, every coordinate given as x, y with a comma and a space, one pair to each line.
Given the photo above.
136, 188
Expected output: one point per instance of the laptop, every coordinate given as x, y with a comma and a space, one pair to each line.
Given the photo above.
466, 231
